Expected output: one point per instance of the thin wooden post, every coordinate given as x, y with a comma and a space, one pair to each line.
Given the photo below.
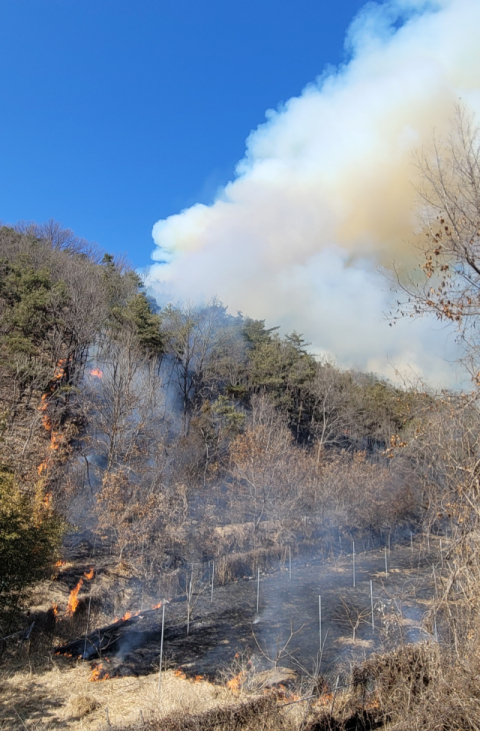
290, 562
320, 620
371, 602
161, 650
86, 628
189, 599
258, 588
353, 556
386, 563
334, 694
213, 576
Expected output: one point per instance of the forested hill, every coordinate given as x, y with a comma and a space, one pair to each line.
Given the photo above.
116, 416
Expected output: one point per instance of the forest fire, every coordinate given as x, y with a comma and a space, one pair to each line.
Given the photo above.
324, 700
59, 369
41, 467
73, 599
55, 609
99, 672
96, 372
128, 614
235, 683
56, 438
89, 575
179, 673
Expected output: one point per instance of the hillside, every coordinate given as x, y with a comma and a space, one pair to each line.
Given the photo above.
188, 455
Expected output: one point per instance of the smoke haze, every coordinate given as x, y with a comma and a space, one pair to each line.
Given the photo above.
324, 196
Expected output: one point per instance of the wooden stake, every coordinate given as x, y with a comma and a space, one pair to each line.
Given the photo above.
161, 650
320, 620
353, 556
289, 563
86, 628
258, 588
386, 562
189, 599
371, 602
213, 576
334, 694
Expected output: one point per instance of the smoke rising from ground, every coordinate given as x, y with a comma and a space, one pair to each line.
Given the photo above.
325, 195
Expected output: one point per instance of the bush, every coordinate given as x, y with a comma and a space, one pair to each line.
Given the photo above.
30, 535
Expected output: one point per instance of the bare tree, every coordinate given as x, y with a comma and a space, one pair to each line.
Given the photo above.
447, 282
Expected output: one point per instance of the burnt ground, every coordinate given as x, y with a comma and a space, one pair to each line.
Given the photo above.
228, 629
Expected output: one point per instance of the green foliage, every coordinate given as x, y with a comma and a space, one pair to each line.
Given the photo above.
30, 535
234, 420
146, 322
128, 307
255, 332
33, 306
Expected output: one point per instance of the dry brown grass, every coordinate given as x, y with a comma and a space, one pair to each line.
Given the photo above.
64, 697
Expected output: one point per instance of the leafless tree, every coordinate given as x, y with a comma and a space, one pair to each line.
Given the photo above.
447, 282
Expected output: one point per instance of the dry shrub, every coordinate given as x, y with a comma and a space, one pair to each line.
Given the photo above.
401, 676
239, 565
80, 705
252, 715
421, 688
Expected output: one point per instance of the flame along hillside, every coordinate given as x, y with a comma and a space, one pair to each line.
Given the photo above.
145, 443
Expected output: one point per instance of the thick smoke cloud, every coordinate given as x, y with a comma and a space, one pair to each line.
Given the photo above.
325, 195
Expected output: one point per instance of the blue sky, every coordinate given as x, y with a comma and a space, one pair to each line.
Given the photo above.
120, 117
115, 114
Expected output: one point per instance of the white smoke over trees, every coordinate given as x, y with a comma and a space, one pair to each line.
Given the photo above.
324, 198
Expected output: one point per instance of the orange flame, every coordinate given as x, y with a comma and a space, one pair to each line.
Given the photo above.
96, 372
56, 440
157, 606
324, 700
42, 467
180, 674
127, 615
235, 683
46, 423
43, 407
99, 672
55, 609
73, 599
60, 563
89, 575
59, 370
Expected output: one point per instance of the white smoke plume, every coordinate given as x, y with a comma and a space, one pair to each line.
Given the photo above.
325, 194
